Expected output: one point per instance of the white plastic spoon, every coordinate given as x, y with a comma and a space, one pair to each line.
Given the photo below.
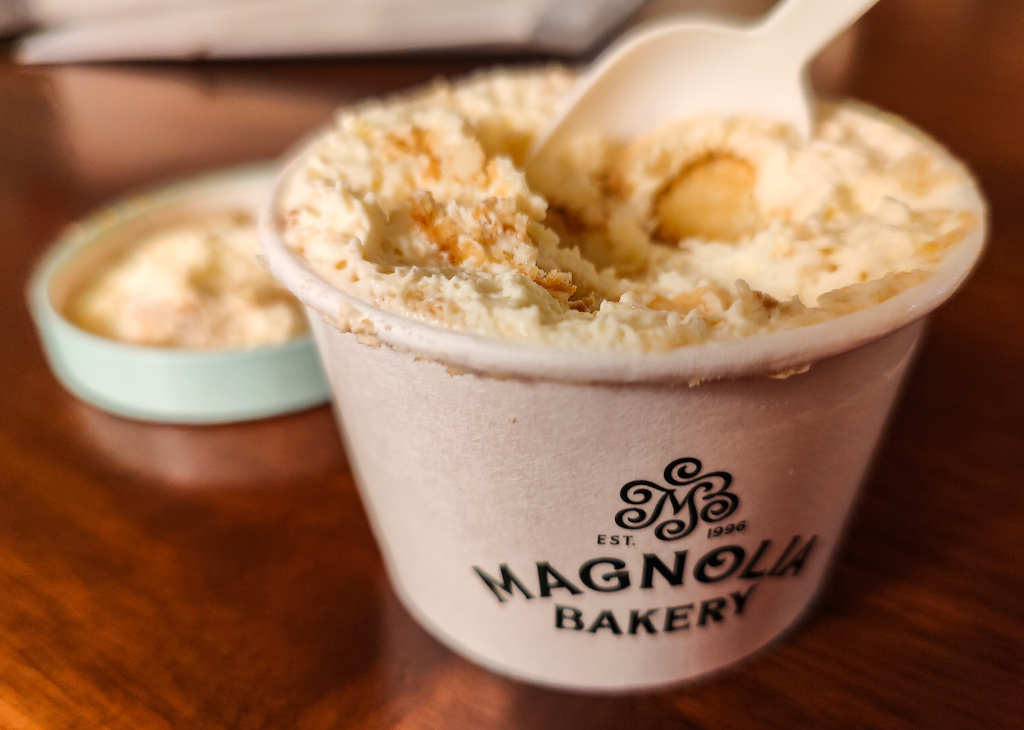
680, 68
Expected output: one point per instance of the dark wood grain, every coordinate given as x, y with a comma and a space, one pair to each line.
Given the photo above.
164, 577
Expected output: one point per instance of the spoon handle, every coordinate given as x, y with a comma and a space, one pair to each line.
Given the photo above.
804, 27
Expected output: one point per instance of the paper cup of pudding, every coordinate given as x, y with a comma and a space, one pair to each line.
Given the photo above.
643, 477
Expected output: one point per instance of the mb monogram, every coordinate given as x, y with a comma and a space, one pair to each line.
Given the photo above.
668, 513
712, 490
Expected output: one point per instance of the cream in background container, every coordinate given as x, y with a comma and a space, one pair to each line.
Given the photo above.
611, 521
166, 384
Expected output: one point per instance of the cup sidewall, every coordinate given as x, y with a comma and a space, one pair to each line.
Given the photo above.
462, 471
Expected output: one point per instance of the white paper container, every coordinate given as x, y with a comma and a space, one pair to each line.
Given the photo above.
474, 453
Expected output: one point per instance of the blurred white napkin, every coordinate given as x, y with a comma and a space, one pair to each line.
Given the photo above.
89, 30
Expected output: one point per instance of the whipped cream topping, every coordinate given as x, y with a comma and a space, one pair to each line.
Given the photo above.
425, 205
193, 285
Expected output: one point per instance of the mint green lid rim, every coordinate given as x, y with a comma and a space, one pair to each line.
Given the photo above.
161, 384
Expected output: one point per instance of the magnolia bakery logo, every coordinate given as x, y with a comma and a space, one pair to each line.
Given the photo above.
689, 498
705, 498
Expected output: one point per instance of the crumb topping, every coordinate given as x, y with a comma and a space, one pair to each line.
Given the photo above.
709, 228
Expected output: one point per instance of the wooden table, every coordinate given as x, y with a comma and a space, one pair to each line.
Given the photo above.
153, 576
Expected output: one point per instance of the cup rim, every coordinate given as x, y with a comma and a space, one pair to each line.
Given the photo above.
771, 353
